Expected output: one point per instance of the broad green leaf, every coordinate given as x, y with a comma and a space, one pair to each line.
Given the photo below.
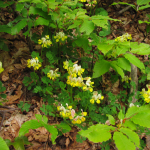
104, 47
82, 42
117, 68
87, 26
20, 25
41, 21
63, 126
141, 49
19, 7
130, 125
141, 2
131, 111
148, 76
33, 10
132, 136
53, 131
5, 28
121, 50
144, 7
142, 119
4, 4
135, 61
121, 115
97, 133
32, 124
111, 119
123, 3
105, 31
122, 142
101, 23
20, 142
3, 145
100, 68
124, 64
75, 24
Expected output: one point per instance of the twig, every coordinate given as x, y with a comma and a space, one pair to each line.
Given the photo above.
124, 9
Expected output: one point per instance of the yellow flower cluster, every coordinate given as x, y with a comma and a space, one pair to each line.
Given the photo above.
75, 78
146, 94
70, 113
60, 37
53, 74
96, 97
1, 68
126, 79
34, 62
45, 41
82, 1
124, 38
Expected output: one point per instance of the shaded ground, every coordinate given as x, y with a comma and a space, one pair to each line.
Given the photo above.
14, 63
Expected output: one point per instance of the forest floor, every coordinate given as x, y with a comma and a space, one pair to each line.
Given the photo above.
15, 61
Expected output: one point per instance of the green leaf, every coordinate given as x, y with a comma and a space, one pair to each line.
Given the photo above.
100, 68
62, 85
32, 124
111, 119
141, 49
80, 139
20, 25
3, 144
148, 76
117, 68
121, 115
135, 61
142, 119
124, 64
132, 136
87, 26
3, 95
75, 24
97, 133
122, 142
82, 42
105, 31
105, 47
63, 126
130, 125
19, 7
41, 21
131, 111
53, 131
141, 2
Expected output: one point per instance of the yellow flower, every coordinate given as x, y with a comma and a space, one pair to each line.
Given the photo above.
92, 101
60, 36
98, 101
34, 62
83, 119
53, 74
45, 41
1, 68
